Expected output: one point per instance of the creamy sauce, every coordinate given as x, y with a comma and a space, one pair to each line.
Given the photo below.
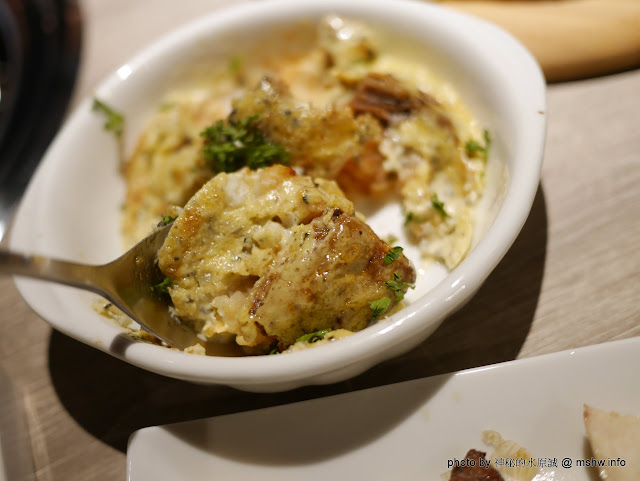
383, 127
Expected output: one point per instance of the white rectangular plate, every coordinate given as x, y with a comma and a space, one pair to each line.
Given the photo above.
408, 431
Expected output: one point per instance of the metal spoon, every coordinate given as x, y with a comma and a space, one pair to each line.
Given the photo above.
126, 282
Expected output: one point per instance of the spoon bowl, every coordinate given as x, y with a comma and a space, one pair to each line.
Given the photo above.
127, 282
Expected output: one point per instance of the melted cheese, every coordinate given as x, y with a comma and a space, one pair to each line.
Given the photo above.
235, 227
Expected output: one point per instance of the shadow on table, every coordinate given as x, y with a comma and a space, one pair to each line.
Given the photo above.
306, 433
111, 399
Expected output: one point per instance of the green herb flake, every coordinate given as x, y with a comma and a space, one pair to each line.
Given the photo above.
115, 120
438, 205
162, 288
379, 307
314, 336
397, 285
392, 255
231, 145
487, 138
476, 149
236, 64
410, 217
166, 220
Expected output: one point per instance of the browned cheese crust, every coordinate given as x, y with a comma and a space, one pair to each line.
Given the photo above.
325, 278
267, 256
320, 140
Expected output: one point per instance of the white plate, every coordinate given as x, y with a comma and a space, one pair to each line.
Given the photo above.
406, 431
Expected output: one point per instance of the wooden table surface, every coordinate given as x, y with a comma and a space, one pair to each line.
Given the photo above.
571, 279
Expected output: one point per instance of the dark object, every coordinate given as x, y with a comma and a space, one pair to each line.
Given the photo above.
382, 95
476, 468
39, 55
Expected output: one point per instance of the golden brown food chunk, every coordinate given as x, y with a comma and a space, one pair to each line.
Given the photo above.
325, 276
320, 140
264, 257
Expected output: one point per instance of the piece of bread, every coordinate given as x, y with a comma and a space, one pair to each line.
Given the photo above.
615, 442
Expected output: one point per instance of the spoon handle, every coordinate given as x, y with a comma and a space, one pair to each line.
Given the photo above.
54, 270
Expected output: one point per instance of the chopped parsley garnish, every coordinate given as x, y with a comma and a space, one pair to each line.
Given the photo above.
392, 255
438, 205
115, 120
487, 138
476, 149
162, 288
166, 220
236, 64
231, 145
410, 217
397, 285
379, 307
314, 336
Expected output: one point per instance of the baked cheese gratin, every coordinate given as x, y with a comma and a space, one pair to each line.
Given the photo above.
263, 257
260, 164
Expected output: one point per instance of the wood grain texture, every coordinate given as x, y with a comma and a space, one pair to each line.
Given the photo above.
571, 39
571, 278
